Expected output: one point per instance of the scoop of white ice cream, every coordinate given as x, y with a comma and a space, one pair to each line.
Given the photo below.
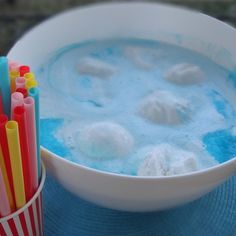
165, 160
184, 74
95, 67
105, 140
165, 108
135, 54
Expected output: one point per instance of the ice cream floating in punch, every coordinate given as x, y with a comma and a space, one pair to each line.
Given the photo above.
155, 187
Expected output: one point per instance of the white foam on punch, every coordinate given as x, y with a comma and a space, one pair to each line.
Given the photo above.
166, 159
95, 67
165, 108
143, 57
103, 140
184, 74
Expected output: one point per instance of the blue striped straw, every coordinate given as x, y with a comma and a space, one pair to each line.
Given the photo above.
34, 93
5, 88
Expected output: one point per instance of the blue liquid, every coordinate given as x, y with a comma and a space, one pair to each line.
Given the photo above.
48, 128
221, 144
221, 105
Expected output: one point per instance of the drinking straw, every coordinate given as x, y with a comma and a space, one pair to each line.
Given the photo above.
17, 99
4, 203
5, 85
34, 93
31, 83
31, 135
13, 75
29, 76
23, 70
20, 118
24, 91
5, 151
14, 66
20, 82
16, 162
1, 105
6, 181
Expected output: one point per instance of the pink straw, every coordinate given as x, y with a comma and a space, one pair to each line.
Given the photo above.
17, 99
31, 136
20, 82
4, 203
14, 66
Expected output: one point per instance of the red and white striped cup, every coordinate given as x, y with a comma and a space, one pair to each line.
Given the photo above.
28, 220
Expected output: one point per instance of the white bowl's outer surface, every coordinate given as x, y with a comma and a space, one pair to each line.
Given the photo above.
178, 26
131, 193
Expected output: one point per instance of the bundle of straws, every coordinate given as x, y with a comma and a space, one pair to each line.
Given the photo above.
20, 165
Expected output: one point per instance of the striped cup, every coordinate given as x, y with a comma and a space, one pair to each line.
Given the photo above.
28, 220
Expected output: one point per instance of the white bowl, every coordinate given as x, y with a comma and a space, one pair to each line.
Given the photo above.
196, 31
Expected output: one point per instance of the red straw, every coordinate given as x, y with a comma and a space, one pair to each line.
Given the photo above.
24, 91
5, 151
20, 117
23, 70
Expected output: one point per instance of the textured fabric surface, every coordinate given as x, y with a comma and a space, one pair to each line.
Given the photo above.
213, 215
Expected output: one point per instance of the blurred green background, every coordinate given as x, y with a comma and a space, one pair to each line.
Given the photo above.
17, 16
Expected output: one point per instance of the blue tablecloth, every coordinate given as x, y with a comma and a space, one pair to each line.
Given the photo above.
213, 215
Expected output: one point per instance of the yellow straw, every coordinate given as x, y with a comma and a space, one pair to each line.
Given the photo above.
6, 181
14, 74
29, 76
16, 162
31, 83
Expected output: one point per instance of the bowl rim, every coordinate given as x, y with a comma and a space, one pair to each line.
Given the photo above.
169, 6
